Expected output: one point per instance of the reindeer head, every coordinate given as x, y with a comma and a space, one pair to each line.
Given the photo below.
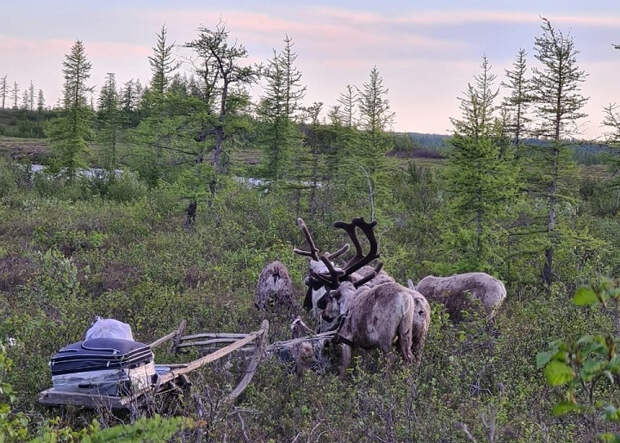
324, 277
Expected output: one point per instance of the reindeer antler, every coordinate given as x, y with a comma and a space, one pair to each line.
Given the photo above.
314, 251
359, 260
333, 277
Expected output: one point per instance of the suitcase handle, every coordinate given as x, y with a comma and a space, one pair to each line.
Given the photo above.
92, 348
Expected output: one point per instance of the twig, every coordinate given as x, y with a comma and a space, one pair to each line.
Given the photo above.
463, 427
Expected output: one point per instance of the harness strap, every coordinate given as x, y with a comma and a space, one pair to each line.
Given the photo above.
339, 338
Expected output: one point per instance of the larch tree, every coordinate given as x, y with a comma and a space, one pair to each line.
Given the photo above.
109, 120
31, 97
477, 105
277, 111
347, 101
556, 86
226, 60
612, 122
294, 91
70, 132
4, 91
40, 101
480, 178
15, 94
25, 100
375, 118
518, 99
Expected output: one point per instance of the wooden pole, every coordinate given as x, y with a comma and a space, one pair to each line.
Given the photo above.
170, 336
251, 370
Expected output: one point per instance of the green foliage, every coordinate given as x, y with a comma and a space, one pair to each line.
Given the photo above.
69, 133
13, 426
582, 364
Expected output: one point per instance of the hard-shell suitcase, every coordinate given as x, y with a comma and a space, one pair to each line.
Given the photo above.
103, 366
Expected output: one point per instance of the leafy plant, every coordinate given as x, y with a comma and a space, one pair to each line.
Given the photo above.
577, 367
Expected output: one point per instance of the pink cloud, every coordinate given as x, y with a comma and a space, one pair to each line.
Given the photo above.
60, 47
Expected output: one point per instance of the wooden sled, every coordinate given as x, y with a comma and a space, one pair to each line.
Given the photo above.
176, 378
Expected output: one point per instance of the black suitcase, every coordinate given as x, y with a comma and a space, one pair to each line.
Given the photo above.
100, 354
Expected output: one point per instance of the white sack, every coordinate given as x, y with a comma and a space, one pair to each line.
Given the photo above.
109, 328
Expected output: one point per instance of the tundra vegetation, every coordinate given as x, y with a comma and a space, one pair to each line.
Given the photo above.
199, 186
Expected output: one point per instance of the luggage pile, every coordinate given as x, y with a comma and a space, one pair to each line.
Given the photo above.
109, 363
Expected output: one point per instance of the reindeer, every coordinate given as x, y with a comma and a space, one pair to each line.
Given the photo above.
274, 287
365, 314
317, 267
458, 291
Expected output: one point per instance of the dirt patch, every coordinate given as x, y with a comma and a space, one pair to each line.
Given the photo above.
194, 276
14, 272
113, 277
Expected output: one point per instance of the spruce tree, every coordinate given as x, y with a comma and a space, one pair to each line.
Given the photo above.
556, 89
519, 98
162, 62
69, 133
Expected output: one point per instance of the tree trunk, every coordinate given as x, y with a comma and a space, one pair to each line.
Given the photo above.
548, 268
219, 131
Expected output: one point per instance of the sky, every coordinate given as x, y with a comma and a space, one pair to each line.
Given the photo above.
426, 51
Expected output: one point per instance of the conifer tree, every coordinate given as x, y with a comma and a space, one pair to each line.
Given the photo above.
162, 62
556, 89
109, 120
15, 94
283, 92
70, 132
31, 96
293, 90
611, 121
347, 100
226, 60
479, 176
375, 118
4, 90
40, 101
25, 100
519, 98
477, 106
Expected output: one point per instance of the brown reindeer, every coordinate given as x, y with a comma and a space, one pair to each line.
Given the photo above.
274, 287
366, 314
462, 291
317, 268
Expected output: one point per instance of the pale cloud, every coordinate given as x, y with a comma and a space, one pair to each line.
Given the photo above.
447, 17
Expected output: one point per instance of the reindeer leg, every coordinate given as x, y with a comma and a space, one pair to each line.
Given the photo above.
404, 339
345, 351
